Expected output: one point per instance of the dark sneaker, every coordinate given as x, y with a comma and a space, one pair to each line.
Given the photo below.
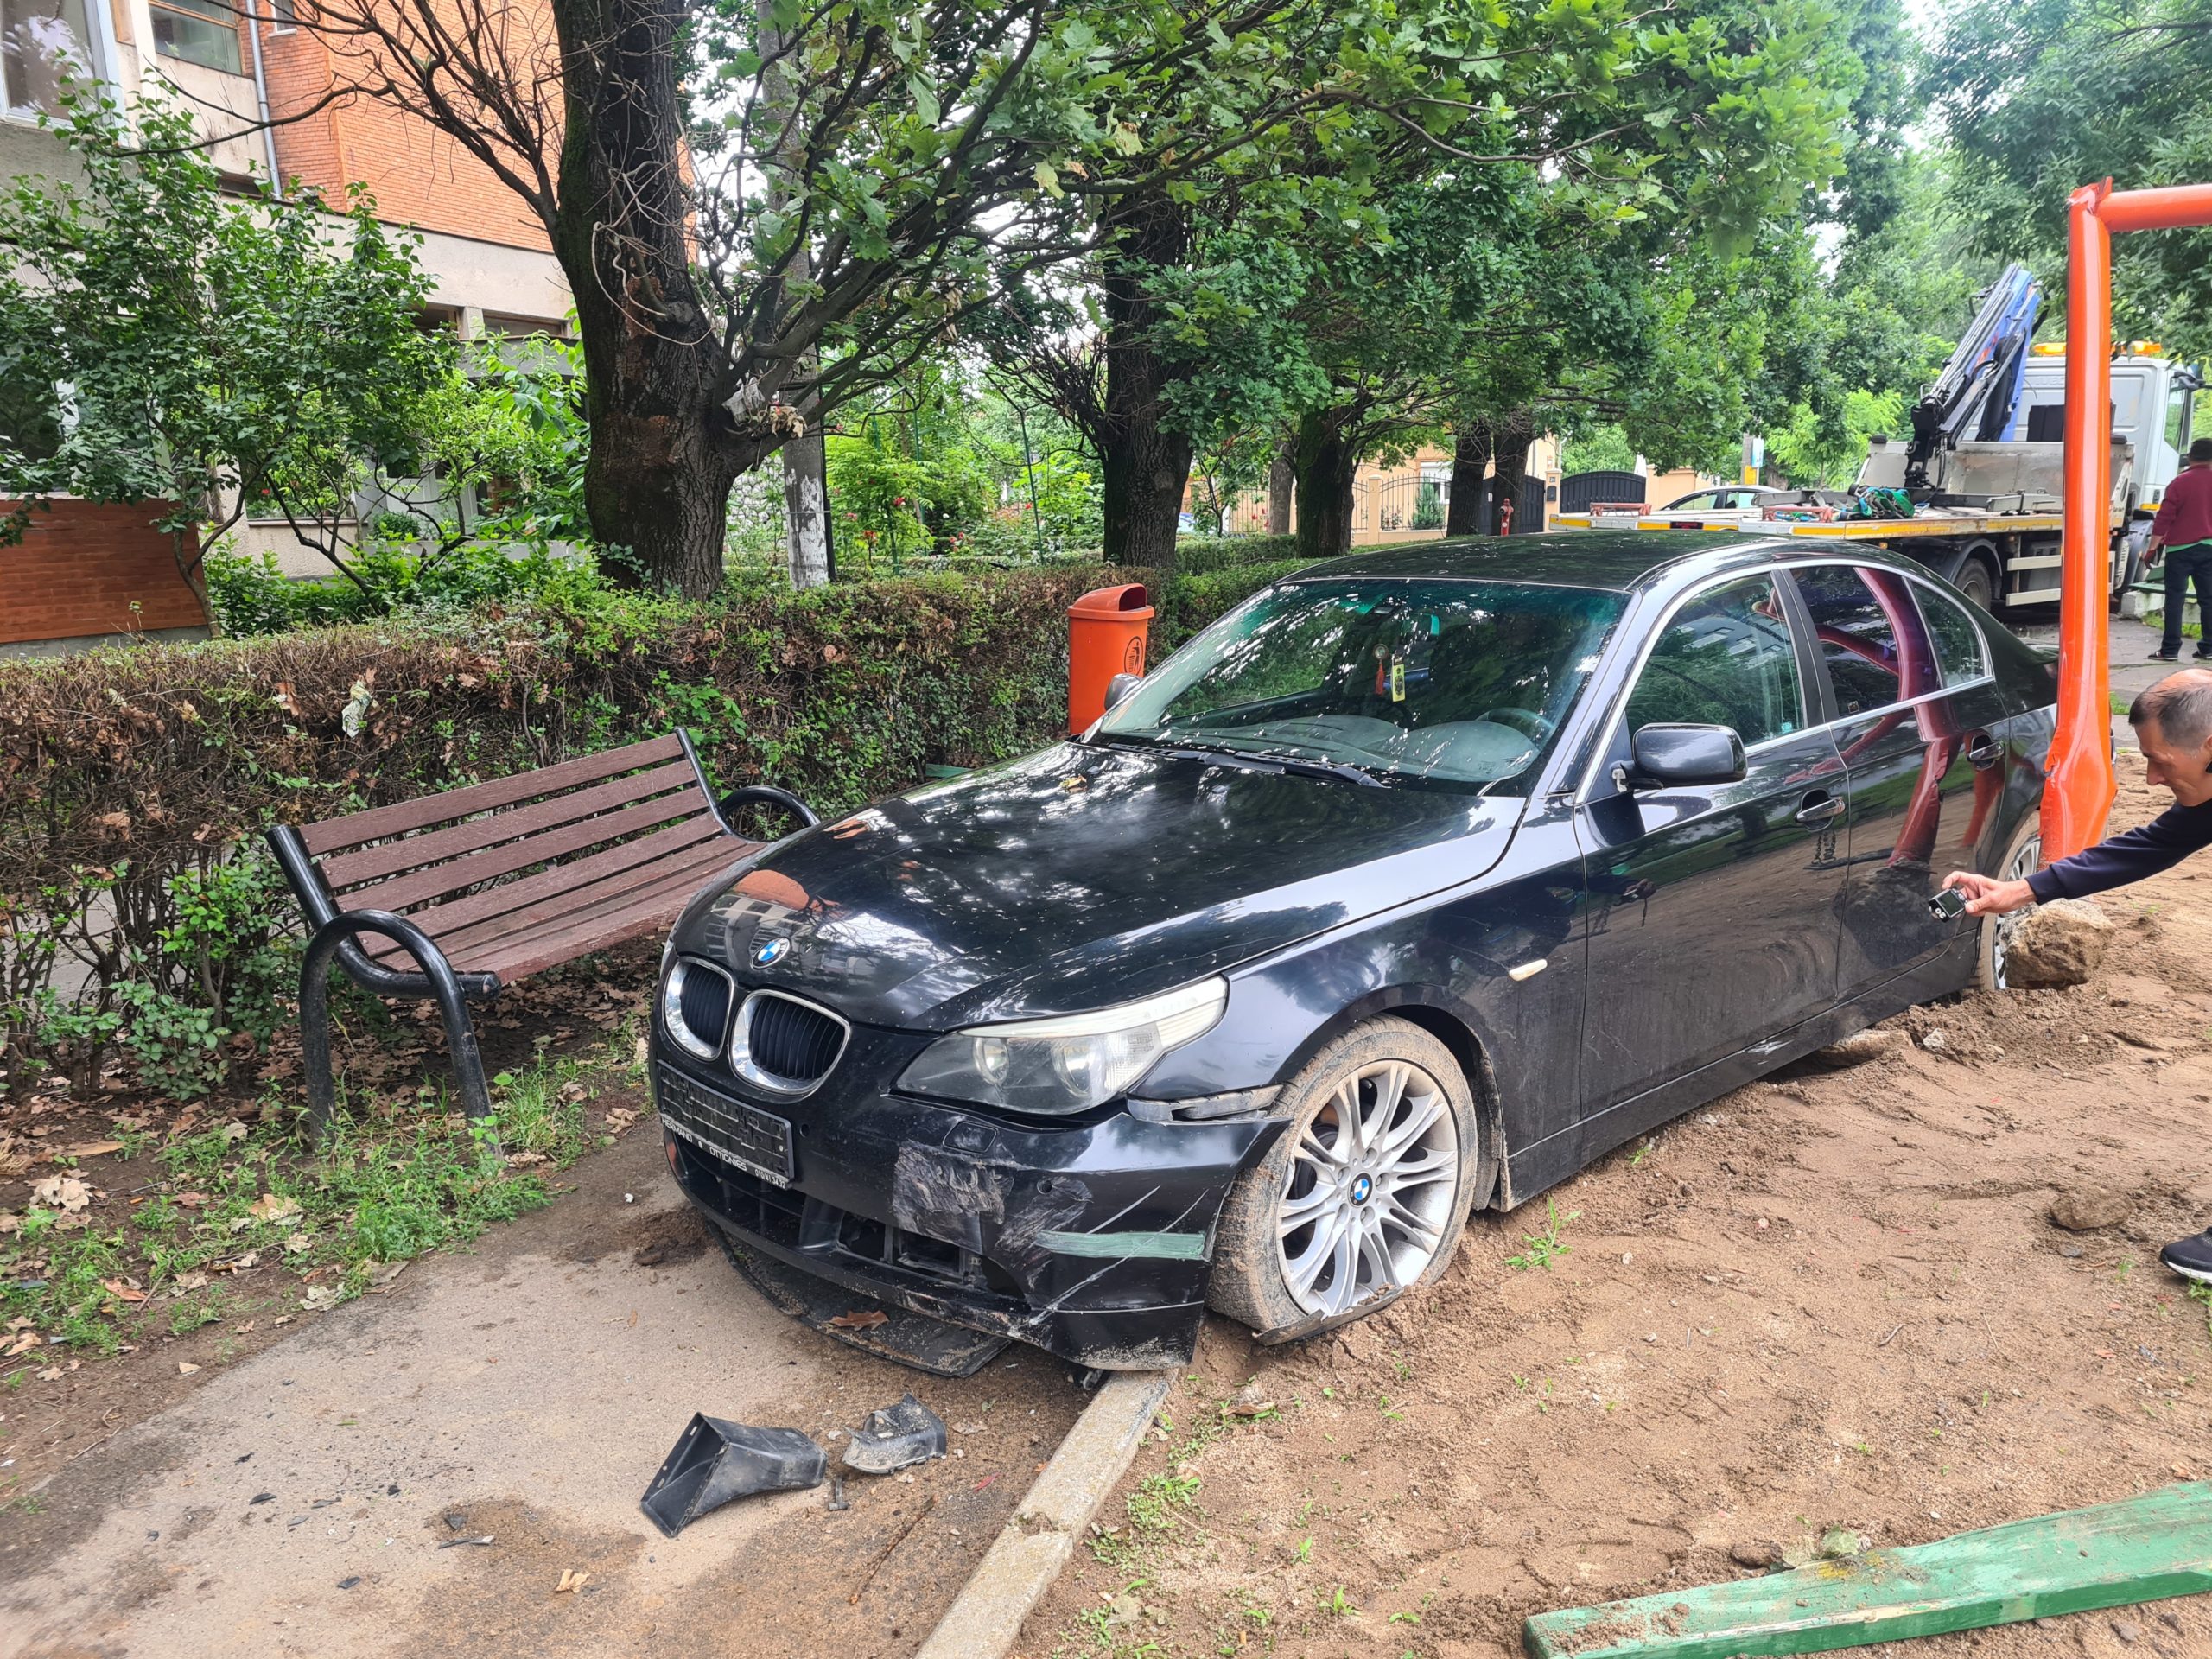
2166, 657
2203, 655
2190, 1257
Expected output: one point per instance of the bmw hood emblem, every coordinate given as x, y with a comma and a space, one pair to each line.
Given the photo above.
769, 952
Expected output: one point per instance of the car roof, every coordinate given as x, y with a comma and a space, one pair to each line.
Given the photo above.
1618, 561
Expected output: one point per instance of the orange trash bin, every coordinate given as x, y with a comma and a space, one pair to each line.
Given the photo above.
1107, 630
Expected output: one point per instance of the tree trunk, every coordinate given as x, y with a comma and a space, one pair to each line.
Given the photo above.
1282, 481
1144, 466
1471, 445
1325, 466
1142, 478
1515, 434
806, 509
664, 449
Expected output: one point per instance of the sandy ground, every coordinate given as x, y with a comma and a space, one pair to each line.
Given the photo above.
1832, 1300
295, 1501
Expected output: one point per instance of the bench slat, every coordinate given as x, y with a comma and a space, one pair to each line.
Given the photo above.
348, 873
640, 910
433, 882
332, 834
631, 858
473, 940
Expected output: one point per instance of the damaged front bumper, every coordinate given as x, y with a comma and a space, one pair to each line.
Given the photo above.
1092, 1241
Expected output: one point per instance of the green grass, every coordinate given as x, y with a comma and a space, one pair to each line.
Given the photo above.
1546, 1247
229, 1200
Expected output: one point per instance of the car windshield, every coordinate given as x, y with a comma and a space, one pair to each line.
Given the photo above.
1460, 683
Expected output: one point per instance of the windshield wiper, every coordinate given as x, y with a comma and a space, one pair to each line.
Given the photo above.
1257, 760
1343, 769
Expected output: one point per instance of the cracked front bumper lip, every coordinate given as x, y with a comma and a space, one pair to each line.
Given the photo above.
1091, 1241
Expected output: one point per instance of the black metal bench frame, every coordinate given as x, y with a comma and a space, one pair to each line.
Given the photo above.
337, 927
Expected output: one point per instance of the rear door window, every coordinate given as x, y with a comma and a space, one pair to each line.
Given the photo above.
1857, 634
1958, 646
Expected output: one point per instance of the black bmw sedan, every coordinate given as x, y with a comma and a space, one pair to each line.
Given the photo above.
1413, 885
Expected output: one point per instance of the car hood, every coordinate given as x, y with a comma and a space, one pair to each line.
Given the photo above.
1078, 878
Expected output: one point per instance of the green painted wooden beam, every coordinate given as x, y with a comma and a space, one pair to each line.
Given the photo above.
2139, 1550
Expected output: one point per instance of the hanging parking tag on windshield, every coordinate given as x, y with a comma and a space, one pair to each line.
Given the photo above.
1397, 679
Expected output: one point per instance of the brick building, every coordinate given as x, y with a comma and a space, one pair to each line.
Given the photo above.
493, 273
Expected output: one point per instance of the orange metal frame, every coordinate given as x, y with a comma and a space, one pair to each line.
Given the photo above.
2081, 785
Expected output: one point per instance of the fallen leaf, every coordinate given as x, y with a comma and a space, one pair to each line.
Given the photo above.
864, 1320
319, 1298
186, 1368
50, 1374
383, 1273
271, 1207
123, 1289
192, 1200
63, 1192
185, 1283
94, 1149
234, 1132
249, 1259
9, 1222
620, 1119
21, 1344
571, 1580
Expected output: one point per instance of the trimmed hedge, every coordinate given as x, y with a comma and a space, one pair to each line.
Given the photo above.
131, 780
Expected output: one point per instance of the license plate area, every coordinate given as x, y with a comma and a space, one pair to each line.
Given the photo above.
748, 1137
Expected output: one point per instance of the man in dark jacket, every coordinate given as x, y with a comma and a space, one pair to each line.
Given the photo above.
2173, 724
2182, 535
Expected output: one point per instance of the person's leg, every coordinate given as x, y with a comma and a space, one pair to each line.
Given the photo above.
2177, 568
2201, 566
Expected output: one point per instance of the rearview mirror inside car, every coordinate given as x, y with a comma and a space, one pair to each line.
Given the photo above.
1673, 756
1119, 687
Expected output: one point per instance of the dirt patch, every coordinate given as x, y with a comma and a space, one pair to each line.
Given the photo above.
1831, 1302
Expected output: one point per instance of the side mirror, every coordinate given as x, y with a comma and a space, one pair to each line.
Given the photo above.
1119, 688
1674, 757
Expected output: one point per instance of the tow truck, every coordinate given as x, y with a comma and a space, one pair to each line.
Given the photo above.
1974, 491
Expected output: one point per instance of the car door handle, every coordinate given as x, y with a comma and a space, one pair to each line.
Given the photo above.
1985, 752
1820, 808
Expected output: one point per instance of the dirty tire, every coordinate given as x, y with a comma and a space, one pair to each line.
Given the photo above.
2022, 855
1975, 581
1250, 1284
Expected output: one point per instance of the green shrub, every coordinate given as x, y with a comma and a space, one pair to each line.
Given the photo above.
1195, 554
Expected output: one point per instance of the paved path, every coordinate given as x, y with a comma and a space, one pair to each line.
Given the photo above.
296, 1504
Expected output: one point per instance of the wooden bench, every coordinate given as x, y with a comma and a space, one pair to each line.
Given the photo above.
480, 887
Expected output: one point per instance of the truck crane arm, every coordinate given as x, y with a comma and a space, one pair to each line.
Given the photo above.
1979, 390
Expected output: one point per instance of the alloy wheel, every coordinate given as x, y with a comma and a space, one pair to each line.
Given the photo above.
1371, 1183
2023, 863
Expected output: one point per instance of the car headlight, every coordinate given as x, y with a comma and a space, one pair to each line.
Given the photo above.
1068, 1064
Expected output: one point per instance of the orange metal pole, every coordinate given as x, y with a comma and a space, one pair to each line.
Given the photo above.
2166, 208
2080, 788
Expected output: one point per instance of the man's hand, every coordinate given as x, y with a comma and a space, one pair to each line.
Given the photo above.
1987, 896
2152, 553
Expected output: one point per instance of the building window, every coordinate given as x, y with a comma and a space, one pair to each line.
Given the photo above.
198, 31
42, 49
283, 14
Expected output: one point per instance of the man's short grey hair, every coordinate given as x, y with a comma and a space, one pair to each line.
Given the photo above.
2181, 705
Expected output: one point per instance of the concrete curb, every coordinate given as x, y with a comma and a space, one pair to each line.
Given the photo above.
986, 1617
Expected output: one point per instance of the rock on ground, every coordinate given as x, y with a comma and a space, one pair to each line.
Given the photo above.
2085, 1209
1854, 1050
2059, 943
